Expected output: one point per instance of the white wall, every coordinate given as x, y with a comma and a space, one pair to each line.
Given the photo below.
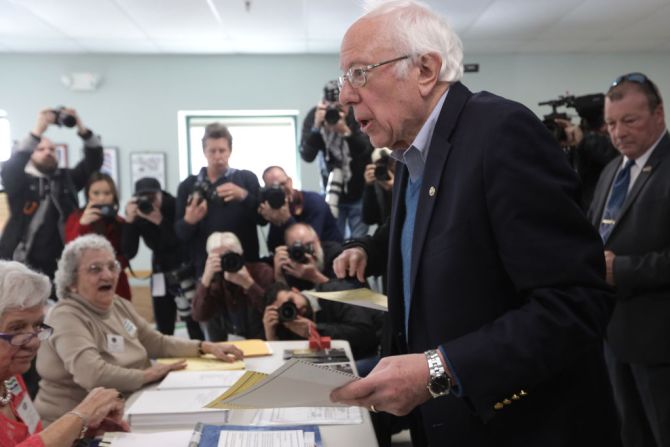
135, 107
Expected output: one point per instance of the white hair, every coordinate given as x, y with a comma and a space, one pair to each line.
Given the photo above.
68, 264
415, 29
21, 288
219, 239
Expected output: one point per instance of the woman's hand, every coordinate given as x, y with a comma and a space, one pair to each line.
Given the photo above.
160, 370
102, 404
222, 351
212, 266
89, 215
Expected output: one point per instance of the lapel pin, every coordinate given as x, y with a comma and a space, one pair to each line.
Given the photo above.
646, 169
431, 191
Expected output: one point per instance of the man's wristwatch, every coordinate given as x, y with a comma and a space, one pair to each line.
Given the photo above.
439, 383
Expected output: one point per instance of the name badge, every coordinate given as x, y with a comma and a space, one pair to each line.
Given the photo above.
158, 284
130, 327
115, 343
13, 386
28, 414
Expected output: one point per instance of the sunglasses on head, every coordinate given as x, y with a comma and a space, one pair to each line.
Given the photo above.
637, 78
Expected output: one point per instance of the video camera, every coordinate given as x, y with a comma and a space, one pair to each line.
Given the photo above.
589, 108
331, 95
274, 195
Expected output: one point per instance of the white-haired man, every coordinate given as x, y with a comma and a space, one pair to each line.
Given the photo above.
497, 299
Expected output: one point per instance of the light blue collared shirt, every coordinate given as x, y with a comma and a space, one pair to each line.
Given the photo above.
415, 156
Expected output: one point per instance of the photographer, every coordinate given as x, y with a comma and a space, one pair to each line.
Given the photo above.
219, 198
304, 262
282, 206
378, 186
229, 296
589, 151
331, 132
100, 216
291, 315
150, 216
41, 195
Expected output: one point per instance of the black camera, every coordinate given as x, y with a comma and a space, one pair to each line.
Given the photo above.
62, 118
288, 311
274, 195
382, 168
145, 203
298, 252
331, 95
232, 262
204, 190
106, 211
181, 283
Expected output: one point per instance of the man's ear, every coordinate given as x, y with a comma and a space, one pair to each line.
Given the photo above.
429, 65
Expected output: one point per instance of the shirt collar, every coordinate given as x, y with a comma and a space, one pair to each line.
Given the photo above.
414, 157
642, 159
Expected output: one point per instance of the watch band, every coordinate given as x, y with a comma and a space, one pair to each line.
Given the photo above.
439, 383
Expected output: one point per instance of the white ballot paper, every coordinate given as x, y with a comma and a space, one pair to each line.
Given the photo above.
284, 438
308, 415
357, 297
199, 379
294, 384
179, 438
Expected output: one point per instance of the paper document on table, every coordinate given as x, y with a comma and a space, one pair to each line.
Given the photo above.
294, 384
199, 379
284, 438
309, 415
252, 347
204, 363
357, 297
178, 438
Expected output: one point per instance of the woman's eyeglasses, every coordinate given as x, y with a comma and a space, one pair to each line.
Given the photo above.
42, 333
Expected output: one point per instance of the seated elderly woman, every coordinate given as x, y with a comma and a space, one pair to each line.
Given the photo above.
99, 339
23, 295
230, 296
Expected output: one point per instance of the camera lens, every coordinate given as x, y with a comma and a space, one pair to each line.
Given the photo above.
298, 252
332, 115
288, 311
145, 204
232, 262
381, 172
274, 195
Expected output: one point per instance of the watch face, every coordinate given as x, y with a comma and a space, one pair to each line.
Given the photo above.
439, 385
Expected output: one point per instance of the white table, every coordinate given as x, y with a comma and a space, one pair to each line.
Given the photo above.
332, 435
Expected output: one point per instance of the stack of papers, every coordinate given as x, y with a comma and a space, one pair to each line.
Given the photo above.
199, 379
179, 438
243, 436
309, 415
295, 384
252, 347
357, 297
175, 409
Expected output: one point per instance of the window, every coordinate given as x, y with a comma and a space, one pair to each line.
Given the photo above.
5, 139
260, 139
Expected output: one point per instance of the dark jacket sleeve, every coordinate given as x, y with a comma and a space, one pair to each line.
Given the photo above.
371, 213
184, 230
312, 141
91, 162
14, 179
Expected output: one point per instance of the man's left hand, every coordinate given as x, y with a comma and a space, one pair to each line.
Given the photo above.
231, 192
397, 385
300, 326
609, 267
277, 217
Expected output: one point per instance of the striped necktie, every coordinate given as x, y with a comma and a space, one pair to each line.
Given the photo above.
616, 200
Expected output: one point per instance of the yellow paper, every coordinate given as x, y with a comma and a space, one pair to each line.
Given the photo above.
252, 347
205, 363
249, 379
358, 297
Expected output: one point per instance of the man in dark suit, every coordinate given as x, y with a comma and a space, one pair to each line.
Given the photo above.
631, 208
497, 297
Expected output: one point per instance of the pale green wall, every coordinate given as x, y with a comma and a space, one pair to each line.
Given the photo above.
135, 107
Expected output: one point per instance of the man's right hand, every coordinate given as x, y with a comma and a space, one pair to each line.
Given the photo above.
276, 217
351, 262
270, 322
319, 114
369, 174
196, 210
131, 210
44, 118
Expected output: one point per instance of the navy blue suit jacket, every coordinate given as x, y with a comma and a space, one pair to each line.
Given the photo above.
508, 276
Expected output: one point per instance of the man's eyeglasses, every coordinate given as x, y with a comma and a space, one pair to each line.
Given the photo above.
42, 333
358, 76
96, 269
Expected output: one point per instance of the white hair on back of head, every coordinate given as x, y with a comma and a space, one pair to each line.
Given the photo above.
21, 288
68, 264
219, 239
415, 29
